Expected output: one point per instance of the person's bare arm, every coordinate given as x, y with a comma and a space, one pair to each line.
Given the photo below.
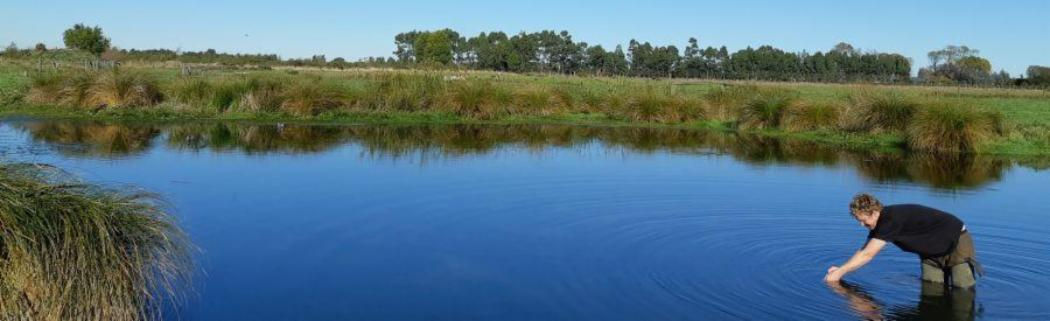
859, 259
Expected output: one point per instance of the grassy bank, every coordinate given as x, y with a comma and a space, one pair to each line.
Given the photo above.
938, 119
71, 251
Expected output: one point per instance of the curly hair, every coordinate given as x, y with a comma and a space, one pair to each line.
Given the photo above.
864, 204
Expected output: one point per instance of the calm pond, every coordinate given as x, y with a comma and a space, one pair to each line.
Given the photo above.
552, 222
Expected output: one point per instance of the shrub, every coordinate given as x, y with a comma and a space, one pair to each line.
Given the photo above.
950, 128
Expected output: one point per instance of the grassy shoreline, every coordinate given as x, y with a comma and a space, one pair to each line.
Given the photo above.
943, 120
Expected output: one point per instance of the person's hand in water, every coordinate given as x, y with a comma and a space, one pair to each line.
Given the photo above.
859, 259
831, 276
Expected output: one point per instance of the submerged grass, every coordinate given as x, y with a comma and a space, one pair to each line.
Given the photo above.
71, 251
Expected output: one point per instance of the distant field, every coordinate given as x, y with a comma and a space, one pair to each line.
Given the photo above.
956, 119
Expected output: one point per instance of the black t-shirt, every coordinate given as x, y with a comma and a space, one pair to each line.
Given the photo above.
925, 231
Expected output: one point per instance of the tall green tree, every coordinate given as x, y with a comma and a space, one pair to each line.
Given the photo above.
85, 38
434, 47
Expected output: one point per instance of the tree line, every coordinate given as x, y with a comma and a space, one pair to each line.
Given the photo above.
558, 52
548, 51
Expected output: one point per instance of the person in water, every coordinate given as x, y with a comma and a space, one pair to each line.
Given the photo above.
939, 238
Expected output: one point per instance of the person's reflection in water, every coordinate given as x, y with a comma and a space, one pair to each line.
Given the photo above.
936, 302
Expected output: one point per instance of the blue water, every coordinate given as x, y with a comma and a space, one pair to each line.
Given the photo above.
551, 222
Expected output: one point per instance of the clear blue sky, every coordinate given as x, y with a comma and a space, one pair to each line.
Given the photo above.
1012, 34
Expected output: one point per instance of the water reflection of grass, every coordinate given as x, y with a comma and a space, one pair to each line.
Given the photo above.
70, 251
937, 170
94, 138
254, 139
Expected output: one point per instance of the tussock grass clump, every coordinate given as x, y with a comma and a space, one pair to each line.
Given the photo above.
532, 99
76, 91
592, 101
226, 94
951, 128
94, 89
564, 98
124, 89
263, 95
870, 111
403, 92
810, 116
724, 102
766, 110
61, 88
46, 87
192, 91
70, 251
652, 105
475, 98
312, 97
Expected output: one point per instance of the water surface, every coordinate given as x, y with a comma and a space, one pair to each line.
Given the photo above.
552, 222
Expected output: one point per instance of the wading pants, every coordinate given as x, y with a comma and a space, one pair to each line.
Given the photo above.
959, 268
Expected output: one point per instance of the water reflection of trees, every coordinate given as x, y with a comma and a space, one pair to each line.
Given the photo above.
94, 139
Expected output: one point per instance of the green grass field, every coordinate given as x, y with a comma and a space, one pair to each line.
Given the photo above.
941, 119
